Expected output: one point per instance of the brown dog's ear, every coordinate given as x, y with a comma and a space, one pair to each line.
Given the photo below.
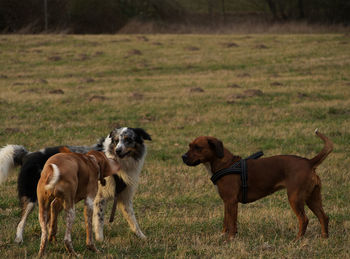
217, 147
65, 149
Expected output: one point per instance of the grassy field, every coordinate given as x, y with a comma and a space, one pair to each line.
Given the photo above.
254, 92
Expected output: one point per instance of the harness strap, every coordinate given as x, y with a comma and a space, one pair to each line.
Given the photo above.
244, 178
239, 167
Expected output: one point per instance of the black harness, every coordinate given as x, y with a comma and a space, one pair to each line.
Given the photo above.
239, 167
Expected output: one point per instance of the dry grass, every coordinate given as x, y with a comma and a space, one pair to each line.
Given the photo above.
58, 89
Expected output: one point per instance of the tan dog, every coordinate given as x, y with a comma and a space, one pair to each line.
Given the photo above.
66, 179
265, 176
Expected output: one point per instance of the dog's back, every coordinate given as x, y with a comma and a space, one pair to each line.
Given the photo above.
76, 171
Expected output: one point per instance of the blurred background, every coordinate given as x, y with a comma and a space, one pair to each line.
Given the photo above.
167, 16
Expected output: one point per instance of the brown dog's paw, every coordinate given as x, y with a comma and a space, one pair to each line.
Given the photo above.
92, 247
230, 237
52, 239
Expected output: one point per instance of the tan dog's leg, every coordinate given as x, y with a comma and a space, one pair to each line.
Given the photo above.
56, 207
297, 204
314, 202
88, 211
70, 215
43, 219
231, 209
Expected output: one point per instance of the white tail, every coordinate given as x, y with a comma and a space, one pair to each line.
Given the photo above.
7, 159
54, 179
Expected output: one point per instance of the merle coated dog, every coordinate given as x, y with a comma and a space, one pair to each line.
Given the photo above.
126, 146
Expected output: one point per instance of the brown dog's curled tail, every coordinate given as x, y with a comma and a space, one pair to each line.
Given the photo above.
328, 147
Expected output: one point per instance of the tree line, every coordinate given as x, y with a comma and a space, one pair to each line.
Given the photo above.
108, 16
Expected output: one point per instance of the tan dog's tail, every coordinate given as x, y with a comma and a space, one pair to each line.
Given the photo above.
54, 177
328, 147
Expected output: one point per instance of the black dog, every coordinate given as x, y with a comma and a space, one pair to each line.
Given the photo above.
31, 164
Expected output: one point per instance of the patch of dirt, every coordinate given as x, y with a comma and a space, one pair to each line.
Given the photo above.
253, 92
231, 100
144, 38
41, 81
243, 75
98, 53
11, 130
247, 93
133, 52
17, 83
29, 90
234, 86
302, 95
88, 80
230, 45
82, 57
196, 90
121, 40
54, 58
261, 46
192, 48
148, 118
338, 111
3, 76
56, 91
276, 84
137, 96
37, 51
98, 98
157, 44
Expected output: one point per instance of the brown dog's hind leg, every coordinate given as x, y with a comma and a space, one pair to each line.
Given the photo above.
43, 219
56, 207
88, 211
70, 215
297, 204
314, 202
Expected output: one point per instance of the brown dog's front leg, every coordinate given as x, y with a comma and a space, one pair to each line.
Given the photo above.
231, 218
224, 229
88, 210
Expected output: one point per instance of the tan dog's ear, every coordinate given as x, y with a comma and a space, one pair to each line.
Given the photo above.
217, 146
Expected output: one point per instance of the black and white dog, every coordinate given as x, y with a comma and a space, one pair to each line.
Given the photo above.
126, 146
31, 164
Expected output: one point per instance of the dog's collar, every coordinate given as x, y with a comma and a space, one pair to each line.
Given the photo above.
237, 168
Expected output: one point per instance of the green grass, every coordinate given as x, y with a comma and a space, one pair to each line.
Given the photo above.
106, 83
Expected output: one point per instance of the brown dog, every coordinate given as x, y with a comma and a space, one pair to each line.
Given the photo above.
66, 179
265, 176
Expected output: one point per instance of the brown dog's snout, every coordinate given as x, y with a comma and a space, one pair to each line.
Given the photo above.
185, 158
190, 161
